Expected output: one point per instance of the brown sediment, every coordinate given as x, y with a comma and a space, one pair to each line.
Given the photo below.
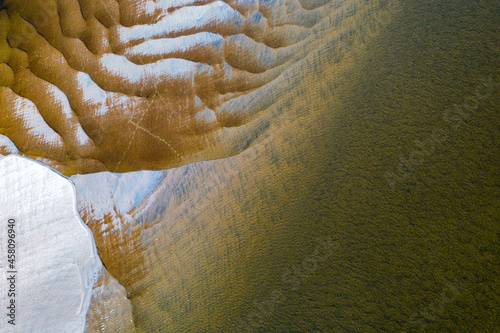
50, 44
319, 170
109, 305
219, 243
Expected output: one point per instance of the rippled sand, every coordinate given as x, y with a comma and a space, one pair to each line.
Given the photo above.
209, 243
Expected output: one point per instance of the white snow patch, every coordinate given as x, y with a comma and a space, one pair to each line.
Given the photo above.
8, 145
59, 97
56, 259
165, 46
183, 19
197, 101
114, 195
120, 66
206, 115
34, 122
92, 93
81, 136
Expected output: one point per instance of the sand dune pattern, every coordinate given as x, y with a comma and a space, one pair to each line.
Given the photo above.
105, 85
95, 85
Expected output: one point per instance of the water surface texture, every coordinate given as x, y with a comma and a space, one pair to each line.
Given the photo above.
326, 166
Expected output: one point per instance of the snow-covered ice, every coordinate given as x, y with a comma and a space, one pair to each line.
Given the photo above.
56, 260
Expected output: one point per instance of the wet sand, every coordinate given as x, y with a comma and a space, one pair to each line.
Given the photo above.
408, 231
415, 249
